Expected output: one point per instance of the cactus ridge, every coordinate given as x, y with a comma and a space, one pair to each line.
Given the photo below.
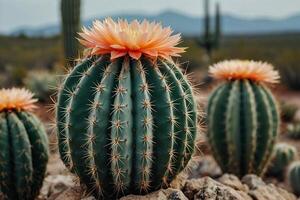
129, 126
250, 128
23, 155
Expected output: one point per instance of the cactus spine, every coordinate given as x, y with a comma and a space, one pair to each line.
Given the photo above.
294, 177
210, 40
23, 154
242, 126
126, 126
283, 155
70, 16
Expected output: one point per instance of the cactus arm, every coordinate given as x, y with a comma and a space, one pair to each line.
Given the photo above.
39, 149
191, 131
163, 128
21, 150
265, 129
102, 108
143, 128
64, 96
181, 117
78, 121
248, 127
232, 127
6, 176
121, 131
216, 125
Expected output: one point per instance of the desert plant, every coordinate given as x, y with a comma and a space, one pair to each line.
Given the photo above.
288, 111
294, 177
242, 116
283, 155
23, 146
293, 130
210, 40
126, 114
41, 83
70, 17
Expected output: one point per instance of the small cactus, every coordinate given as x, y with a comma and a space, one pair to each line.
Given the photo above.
283, 155
23, 146
242, 116
126, 114
288, 111
293, 131
294, 177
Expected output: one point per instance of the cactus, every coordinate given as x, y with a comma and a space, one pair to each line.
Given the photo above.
23, 146
70, 17
293, 131
127, 120
283, 155
242, 116
210, 40
294, 177
288, 111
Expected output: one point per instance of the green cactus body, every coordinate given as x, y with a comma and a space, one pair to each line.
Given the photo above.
126, 126
70, 16
283, 155
242, 126
294, 177
23, 155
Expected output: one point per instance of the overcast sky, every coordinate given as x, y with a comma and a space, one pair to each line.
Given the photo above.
18, 13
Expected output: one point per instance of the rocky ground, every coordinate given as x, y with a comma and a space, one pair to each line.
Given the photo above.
203, 181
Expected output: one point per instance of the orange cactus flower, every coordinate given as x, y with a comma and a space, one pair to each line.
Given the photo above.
16, 99
120, 38
244, 69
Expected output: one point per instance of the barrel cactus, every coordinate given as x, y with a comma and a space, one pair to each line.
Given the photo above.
294, 177
23, 146
126, 114
283, 155
243, 118
293, 130
70, 18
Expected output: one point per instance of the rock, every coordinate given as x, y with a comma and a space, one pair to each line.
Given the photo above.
163, 194
233, 182
55, 184
73, 193
203, 166
208, 189
262, 191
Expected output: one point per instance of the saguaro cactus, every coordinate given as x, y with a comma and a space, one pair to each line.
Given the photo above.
283, 155
126, 114
70, 17
242, 116
23, 146
210, 40
294, 177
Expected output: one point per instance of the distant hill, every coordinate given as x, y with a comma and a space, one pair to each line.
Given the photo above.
190, 26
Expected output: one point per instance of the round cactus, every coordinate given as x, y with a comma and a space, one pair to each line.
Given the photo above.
283, 155
293, 131
126, 114
23, 146
294, 177
242, 117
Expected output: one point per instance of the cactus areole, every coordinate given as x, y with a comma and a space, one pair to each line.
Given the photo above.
243, 118
126, 114
23, 146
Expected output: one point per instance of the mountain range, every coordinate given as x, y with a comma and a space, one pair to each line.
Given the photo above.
188, 25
